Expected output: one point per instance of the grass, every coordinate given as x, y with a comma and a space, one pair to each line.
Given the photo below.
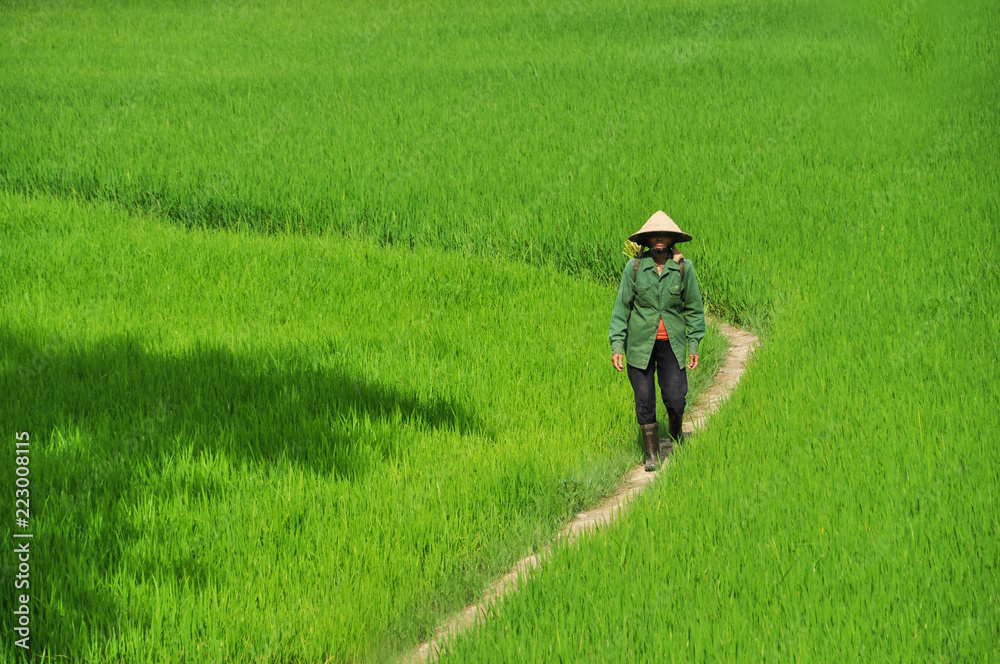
537, 133
835, 162
842, 507
258, 448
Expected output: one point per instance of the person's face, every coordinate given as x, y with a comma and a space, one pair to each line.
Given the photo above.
659, 242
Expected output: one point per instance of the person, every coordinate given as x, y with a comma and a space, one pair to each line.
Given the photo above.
658, 319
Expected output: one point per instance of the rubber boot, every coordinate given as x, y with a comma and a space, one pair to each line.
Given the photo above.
666, 447
650, 442
674, 434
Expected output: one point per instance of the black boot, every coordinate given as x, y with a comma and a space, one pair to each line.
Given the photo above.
674, 434
666, 447
650, 442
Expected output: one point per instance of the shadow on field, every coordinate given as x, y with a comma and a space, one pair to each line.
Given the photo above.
120, 411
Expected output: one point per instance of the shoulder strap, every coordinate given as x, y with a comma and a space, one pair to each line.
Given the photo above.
635, 271
683, 260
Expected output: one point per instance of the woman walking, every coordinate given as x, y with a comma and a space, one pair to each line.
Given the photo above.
658, 319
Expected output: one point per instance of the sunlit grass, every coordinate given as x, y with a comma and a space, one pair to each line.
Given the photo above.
263, 447
277, 277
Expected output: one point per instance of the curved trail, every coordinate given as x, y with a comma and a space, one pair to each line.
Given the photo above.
741, 347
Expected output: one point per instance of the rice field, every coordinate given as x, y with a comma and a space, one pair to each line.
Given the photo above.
305, 307
247, 451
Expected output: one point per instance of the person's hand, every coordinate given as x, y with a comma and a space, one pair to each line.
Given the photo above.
617, 360
693, 362
677, 256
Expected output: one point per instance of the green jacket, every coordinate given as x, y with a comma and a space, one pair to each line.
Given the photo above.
644, 298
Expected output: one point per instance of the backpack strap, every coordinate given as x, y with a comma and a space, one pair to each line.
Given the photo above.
636, 266
683, 290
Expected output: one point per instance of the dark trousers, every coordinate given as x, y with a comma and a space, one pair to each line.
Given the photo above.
673, 384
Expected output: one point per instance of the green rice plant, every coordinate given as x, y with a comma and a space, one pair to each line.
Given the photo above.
542, 133
843, 505
272, 448
835, 162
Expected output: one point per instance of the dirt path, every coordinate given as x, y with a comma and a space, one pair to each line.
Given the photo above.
741, 347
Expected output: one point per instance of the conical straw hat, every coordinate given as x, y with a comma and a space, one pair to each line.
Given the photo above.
659, 224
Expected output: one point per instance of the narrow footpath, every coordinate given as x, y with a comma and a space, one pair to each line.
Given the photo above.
741, 346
